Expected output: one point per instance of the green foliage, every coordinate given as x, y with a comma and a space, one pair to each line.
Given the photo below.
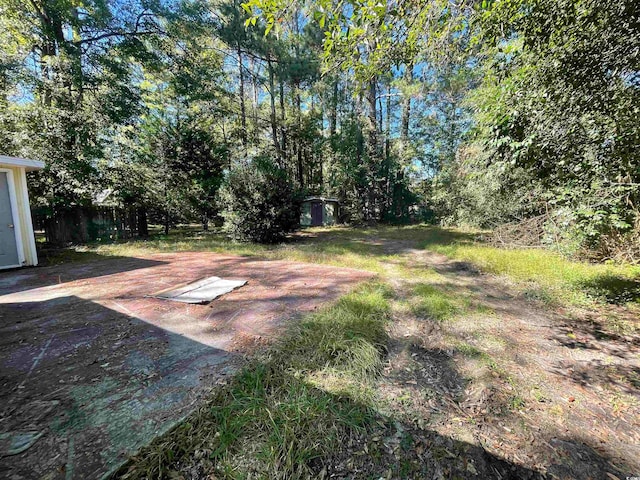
475, 113
259, 202
559, 101
470, 191
69, 63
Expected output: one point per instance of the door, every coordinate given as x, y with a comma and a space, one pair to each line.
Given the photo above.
8, 245
316, 213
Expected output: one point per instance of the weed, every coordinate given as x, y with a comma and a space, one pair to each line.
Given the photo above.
516, 402
433, 303
471, 351
538, 395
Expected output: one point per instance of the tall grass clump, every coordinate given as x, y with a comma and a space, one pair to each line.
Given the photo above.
272, 420
430, 301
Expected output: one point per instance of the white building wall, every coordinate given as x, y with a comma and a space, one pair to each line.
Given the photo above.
28, 243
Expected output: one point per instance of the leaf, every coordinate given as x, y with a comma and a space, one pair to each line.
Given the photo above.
269, 27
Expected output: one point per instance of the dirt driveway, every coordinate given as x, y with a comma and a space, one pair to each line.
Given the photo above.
91, 369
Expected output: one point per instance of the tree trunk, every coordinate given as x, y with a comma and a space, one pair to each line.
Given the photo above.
373, 117
143, 225
274, 124
401, 208
243, 111
254, 99
283, 128
387, 155
373, 153
299, 128
300, 167
406, 108
333, 114
387, 141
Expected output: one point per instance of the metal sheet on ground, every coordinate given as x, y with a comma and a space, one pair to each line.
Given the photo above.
201, 291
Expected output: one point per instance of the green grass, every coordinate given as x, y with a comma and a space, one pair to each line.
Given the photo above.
272, 420
433, 302
558, 278
442, 302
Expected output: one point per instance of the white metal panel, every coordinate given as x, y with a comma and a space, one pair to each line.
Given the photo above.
201, 291
15, 226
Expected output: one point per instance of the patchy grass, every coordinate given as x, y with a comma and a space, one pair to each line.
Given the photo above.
547, 276
539, 274
440, 303
314, 404
432, 302
272, 420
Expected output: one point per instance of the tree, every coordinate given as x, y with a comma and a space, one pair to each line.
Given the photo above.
259, 202
69, 62
560, 99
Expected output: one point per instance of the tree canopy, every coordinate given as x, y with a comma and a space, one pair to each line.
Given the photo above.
458, 112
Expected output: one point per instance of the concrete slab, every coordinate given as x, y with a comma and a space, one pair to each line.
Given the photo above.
91, 369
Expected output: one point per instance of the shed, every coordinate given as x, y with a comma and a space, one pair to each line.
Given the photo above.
319, 211
17, 241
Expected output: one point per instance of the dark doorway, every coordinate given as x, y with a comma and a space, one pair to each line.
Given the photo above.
316, 214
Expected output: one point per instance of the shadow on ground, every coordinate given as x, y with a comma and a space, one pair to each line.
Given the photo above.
34, 277
614, 289
290, 429
423, 383
269, 424
83, 386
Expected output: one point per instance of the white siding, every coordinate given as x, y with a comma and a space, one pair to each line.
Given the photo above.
24, 214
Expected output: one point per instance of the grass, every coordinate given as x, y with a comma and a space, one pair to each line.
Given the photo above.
315, 388
540, 274
433, 302
549, 276
272, 420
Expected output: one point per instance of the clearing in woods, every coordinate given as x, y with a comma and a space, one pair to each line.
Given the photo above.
436, 370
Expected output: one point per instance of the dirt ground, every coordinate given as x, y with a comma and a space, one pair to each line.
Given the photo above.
509, 387
91, 368
553, 391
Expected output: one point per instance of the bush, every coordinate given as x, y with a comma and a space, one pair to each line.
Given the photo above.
259, 203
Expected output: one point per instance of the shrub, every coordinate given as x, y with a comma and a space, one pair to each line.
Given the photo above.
259, 203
